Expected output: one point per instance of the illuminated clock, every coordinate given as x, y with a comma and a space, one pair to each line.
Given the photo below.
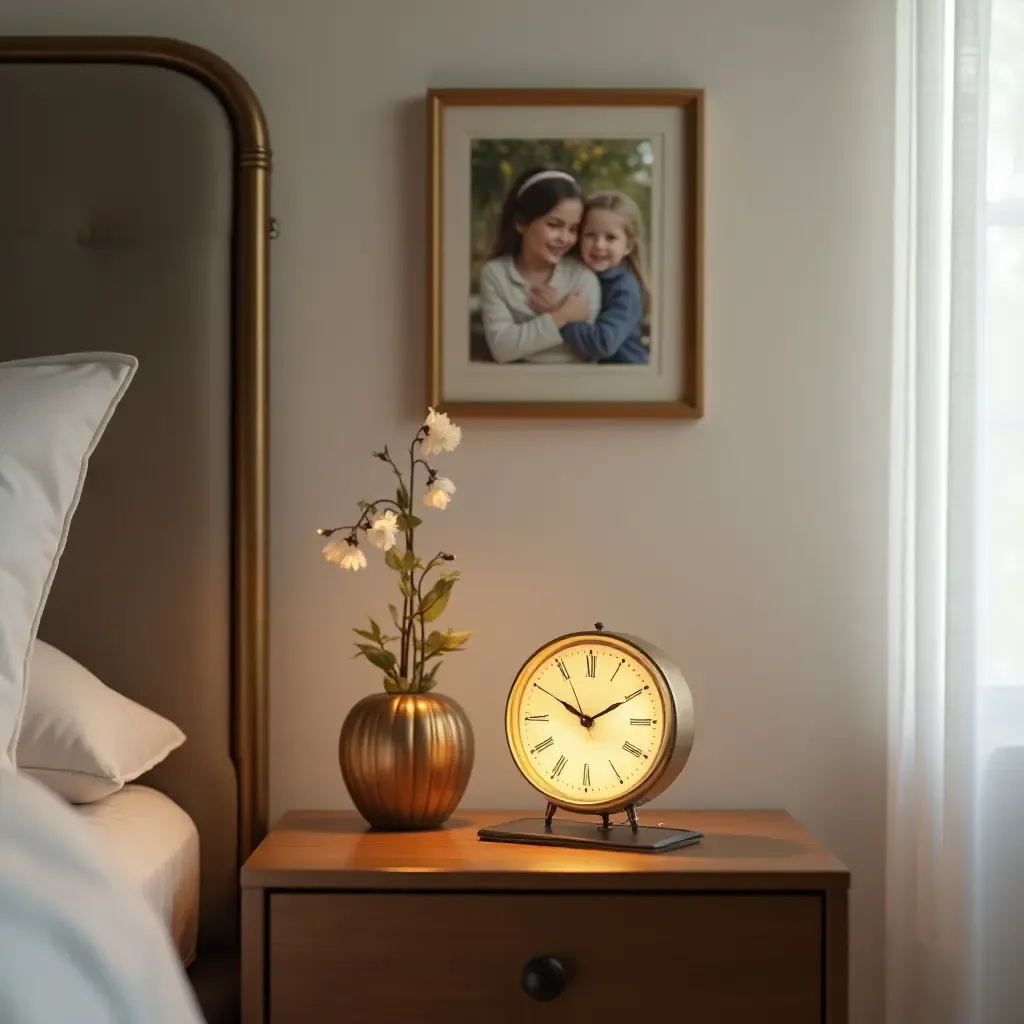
599, 723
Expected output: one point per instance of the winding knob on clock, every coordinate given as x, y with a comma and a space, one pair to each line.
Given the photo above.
543, 978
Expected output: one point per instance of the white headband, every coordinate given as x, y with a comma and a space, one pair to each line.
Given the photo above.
543, 176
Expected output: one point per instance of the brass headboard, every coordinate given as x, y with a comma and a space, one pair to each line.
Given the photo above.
134, 217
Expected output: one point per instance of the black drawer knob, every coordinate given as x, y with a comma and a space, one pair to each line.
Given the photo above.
543, 978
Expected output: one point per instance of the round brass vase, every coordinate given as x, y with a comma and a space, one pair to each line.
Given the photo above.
406, 758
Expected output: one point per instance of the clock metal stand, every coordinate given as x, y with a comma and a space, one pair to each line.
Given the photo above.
639, 838
606, 836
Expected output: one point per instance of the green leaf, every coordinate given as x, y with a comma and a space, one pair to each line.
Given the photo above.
382, 659
403, 496
435, 599
393, 559
435, 641
390, 685
404, 686
407, 521
429, 678
364, 633
394, 617
376, 630
456, 638
405, 586
435, 608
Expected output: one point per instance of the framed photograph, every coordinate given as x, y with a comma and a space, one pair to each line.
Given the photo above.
565, 261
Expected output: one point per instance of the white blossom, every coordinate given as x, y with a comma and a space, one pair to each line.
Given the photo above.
346, 553
442, 434
439, 493
383, 531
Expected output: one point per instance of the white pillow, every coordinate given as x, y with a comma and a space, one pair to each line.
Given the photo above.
82, 739
53, 411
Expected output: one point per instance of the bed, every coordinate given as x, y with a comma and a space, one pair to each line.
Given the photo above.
154, 844
134, 218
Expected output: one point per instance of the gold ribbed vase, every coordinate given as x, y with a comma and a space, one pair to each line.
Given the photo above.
406, 758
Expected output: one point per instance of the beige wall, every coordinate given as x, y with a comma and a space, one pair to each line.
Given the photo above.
751, 545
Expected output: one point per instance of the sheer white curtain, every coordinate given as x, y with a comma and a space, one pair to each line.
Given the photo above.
955, 881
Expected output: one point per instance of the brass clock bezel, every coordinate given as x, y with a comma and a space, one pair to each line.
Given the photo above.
678, 734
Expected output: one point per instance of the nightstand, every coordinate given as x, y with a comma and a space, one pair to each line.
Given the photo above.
341, 923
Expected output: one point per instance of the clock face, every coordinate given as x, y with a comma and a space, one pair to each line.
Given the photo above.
587, 721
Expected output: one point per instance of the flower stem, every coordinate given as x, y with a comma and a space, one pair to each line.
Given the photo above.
423, 622
409, 604
361, 524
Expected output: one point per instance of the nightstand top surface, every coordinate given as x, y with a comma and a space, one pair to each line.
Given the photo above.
741, 850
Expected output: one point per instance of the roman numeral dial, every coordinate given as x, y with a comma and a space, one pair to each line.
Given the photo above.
587, 721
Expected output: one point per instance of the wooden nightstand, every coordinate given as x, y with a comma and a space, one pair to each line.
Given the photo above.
343, 924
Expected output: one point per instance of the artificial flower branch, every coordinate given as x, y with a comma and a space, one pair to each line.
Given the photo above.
406, 671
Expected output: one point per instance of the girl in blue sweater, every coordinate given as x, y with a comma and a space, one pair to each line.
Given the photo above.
611, 244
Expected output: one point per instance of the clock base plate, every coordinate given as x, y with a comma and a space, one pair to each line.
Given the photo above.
589, 835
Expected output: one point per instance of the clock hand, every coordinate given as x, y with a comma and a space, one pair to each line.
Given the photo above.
611, 707
578, 704
565, 704
618, 704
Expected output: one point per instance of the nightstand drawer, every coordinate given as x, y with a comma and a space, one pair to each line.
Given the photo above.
710, 957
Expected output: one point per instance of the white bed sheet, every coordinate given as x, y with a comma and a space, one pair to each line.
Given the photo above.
77, 943
154, 845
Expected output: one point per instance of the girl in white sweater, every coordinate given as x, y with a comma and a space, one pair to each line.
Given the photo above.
538, 227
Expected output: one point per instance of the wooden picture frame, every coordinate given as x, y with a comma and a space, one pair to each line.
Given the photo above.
630, 358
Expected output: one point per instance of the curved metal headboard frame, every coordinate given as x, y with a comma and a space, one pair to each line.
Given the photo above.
250, 314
